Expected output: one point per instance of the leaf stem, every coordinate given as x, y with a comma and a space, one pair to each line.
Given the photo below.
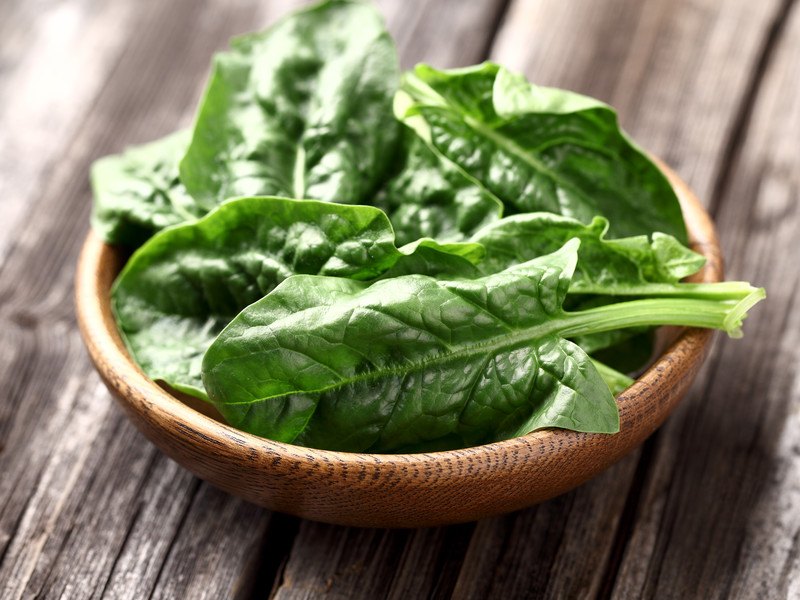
724, 313
726, 290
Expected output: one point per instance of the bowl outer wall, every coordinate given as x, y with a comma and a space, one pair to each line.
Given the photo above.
380, 490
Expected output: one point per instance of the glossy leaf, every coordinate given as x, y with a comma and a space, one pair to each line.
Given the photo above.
606, 270
431, 197
540, 149
609, 267
138, 192
305, 320
301, 110
182, 287
415, 363
410, 362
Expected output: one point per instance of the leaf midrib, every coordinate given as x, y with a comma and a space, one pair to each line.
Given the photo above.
658, 311
511, 341
516, 150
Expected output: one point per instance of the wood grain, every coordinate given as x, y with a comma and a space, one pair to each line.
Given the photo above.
55, 58
655, 62
683, 74
87, 506
724, 487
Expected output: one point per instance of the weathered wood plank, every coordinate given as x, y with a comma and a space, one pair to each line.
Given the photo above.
445, 33
431, 562
720, 515
215, 550
87, 506
555, 550
664, 65
55, 57
341, 562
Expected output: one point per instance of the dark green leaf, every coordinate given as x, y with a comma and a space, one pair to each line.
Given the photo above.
609, 267
617, 382
138, 193
540, 149
301, 110
186, 283
431, 197
408, 363
415, 363
627, 350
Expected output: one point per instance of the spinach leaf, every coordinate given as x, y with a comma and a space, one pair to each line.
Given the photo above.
600, 345
301, 110
416, 363
431, 197
186, 283
336, 363
303, 318
606, 269
138, 193
609, 267
540, 149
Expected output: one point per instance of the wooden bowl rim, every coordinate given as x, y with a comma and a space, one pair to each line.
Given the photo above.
109, 355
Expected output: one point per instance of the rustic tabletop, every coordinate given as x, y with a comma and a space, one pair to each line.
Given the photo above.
708, 508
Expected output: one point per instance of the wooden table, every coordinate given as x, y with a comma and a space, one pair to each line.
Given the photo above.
708, 508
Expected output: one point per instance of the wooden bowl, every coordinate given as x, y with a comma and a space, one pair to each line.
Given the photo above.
380, 490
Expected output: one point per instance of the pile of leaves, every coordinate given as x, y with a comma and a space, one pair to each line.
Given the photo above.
343, 256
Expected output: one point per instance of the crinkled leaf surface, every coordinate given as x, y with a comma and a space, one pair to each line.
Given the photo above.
301, 110
409, 363
609, 267
606, 268
185, 284
431, 197
540, 149
138, 192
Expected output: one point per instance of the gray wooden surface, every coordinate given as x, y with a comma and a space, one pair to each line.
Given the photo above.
708, 508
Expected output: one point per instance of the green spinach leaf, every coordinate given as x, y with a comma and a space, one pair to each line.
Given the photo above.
540, 149
606, 270
301, 316
416, 363
608, 267
186, 283
617, 382
138, 193
629, 351
301, 110
407, 362
431, 197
